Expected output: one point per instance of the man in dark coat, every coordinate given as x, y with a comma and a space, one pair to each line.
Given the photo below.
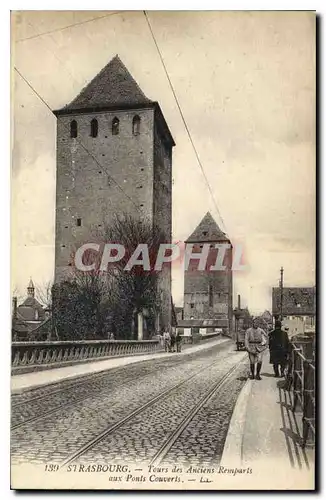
279, 349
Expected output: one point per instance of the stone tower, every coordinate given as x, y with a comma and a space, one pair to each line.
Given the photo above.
208, 293
114, 155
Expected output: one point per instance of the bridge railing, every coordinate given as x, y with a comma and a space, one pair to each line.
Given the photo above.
302, 384
40, 354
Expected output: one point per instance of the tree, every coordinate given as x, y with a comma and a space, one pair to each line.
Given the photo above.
80, 307
135, 291
90, 304
44, 294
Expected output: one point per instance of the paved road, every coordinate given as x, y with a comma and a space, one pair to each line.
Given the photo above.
63, 422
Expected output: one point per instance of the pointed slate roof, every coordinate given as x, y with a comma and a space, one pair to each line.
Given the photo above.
112, 86
207, 230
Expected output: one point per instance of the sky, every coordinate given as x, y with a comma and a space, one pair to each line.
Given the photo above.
245, 82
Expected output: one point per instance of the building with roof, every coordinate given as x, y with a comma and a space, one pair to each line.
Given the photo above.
298, 308
242, 318
114, 155
29, 316
207, 292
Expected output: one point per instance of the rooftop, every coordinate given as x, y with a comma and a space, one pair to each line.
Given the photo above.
207, 230
296, 301
113, 86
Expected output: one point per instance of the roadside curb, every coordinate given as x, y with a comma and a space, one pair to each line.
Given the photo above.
232, 452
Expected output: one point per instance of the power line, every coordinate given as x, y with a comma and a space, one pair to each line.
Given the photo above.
69, 26
80, 143
184, 121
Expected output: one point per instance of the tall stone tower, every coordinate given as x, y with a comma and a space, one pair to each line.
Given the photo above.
208, 293
114, 155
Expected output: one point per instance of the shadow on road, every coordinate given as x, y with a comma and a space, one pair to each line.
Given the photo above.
291, 429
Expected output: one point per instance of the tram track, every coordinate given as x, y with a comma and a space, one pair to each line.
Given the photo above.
92, 378
79, 381
74, 386
66, 405
166, 446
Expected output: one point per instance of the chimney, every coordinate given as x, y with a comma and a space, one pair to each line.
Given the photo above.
239, 302
14, 307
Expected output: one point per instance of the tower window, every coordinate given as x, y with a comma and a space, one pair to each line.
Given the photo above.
136, 125
192, 306
115, 126
73, 129
79, 221
94, 127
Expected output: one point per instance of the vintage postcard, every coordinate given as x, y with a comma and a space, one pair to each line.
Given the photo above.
163, 250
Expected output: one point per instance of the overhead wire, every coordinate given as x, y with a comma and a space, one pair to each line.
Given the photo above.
69, 26
184, 121
173, 92
78, 141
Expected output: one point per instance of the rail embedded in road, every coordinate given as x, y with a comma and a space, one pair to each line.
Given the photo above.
103, 435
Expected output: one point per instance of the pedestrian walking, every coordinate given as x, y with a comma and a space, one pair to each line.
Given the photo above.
255, 344
178, 341
167, 341
279, 349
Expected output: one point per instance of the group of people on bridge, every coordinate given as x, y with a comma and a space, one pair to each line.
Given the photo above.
257, 341
172, 342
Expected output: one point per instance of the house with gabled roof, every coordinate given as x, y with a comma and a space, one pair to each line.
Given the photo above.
29, 318
298, 311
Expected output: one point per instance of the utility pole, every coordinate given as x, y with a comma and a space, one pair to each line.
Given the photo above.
281, 293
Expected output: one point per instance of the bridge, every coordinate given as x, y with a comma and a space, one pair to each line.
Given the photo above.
144, 413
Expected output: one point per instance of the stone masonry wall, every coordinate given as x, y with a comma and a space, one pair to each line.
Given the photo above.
162, 215
85, 166
197, 285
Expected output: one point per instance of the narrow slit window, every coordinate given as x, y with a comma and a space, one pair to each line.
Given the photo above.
136, 125
73, 129
94, 127
115, 126
79, 221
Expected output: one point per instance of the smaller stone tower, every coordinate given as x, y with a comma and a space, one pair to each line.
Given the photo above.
208, 293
